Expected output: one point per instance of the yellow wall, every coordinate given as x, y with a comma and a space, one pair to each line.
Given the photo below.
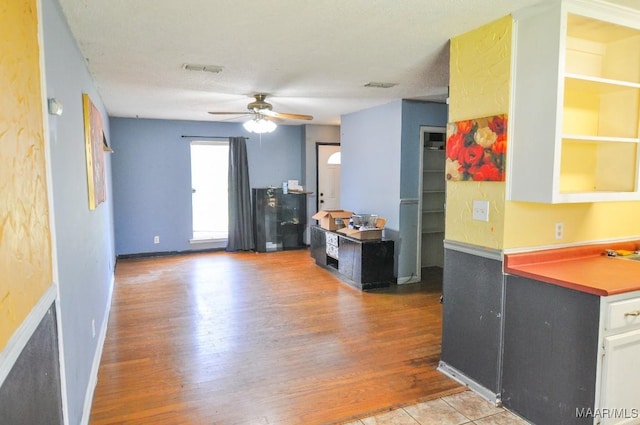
479, 87
532, 225
25, 240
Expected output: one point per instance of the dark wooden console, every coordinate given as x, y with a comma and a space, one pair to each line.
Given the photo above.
365, 264
279, 219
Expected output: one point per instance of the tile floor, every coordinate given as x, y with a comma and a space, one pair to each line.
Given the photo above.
462, 408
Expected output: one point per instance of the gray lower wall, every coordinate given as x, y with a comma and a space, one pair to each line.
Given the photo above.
30, 395
472, 316
550, 351
533, 345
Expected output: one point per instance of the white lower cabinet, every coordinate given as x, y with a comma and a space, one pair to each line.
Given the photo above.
619, 388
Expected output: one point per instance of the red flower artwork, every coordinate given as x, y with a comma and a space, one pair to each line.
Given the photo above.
476, 149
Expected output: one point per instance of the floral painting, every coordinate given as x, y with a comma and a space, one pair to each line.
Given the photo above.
476, 149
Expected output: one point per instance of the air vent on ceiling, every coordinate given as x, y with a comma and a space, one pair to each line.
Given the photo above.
203, 68
380, 85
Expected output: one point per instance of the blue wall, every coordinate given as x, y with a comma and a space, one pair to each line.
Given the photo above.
370, 171
381, 170
84, 239
415, 115
152, 176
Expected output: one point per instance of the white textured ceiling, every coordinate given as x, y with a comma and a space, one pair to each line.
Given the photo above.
312, 57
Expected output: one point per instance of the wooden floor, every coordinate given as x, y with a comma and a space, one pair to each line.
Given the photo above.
271, 338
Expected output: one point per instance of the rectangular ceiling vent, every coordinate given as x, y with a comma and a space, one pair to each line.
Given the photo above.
202, 68
380, 85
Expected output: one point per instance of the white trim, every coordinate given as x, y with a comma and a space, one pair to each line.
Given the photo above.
604, 303
460, 377
571, 245
497, 254
423, 129
93, 379
55, 276
208, 240
201, 244
418, 266
491, 253
224, 142
512, 117
63, 369
408, 279
21, 336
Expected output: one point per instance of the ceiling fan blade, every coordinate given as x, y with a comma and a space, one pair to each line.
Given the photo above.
232, 118
230, 113
274, 114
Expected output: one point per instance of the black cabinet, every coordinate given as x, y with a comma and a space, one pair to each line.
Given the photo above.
365, 264
279, 219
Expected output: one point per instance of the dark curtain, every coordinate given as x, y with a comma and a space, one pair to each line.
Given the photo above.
240, 223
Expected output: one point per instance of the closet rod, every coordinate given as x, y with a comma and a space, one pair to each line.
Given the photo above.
211, 137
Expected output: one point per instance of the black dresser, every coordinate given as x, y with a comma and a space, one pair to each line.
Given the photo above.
364, 264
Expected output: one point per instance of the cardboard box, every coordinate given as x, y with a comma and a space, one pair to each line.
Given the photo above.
369, 234
327, 218
366, 234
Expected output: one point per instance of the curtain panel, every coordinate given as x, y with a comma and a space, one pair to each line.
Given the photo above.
240, 220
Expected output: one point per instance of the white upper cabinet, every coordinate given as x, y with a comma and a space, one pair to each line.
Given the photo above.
574, 134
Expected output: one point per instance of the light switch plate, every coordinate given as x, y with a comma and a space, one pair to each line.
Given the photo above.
481, 210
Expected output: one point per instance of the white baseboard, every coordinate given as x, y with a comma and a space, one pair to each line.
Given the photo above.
21, 336
93, 381
408, 279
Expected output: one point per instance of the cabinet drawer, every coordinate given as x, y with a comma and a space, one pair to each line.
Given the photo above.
623, 314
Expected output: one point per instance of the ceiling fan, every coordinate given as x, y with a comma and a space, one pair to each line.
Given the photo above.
261, 108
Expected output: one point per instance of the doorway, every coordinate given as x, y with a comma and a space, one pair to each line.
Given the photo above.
209, 201
328, 168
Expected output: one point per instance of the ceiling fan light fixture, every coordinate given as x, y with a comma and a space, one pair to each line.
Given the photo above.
259, 125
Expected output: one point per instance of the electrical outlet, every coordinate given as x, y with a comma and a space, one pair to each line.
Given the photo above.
481, 210
156, 239
93, 328
559, 230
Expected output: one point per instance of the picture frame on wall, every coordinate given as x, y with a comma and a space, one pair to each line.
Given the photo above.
94, 142
476, 149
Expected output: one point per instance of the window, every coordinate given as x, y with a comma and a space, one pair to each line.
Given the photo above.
209, 178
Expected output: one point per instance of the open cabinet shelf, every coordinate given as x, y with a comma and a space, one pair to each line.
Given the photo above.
576, 114
433, 202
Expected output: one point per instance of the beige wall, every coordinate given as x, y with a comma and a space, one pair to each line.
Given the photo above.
25, 239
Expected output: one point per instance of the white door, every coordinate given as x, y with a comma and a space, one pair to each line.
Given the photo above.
328, 177
620, 377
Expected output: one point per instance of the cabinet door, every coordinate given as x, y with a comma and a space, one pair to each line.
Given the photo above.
620, 386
